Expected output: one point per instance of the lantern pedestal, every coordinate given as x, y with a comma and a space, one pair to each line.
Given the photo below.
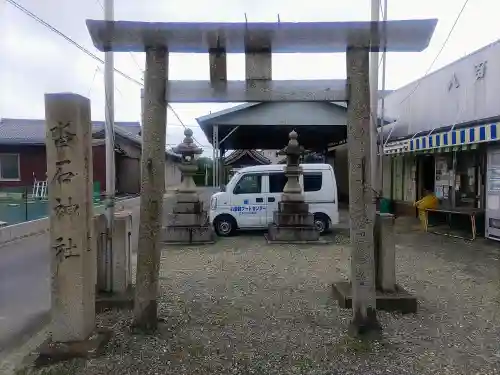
189, 221
293, 223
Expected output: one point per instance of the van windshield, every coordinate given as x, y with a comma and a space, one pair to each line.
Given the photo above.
235, 178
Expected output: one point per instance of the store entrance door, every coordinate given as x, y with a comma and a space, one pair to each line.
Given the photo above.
426, 175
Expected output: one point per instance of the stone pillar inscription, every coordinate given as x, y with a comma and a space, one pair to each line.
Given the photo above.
69, 172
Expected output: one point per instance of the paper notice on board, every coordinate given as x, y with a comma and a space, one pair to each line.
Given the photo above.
439, 192
493, 202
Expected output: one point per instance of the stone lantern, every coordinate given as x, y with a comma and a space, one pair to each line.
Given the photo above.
292, 190
188, 223
292, 222
188, 167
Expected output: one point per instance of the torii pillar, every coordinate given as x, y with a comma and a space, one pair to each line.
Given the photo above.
364, 293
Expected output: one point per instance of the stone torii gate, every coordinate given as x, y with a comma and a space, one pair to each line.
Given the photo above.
258, 41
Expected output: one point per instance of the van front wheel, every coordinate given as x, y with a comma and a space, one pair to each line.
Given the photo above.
322, 222
224, 225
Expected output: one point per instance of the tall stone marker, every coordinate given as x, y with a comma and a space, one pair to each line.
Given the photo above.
293, 223
69, 174
188, 223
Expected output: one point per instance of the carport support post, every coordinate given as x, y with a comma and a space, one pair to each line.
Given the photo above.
215, 145
361, 195
152, 188
222, 174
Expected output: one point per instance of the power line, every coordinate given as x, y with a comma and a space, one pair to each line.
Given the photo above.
85, 50
116, 86
438, 54
136, 63
93, 79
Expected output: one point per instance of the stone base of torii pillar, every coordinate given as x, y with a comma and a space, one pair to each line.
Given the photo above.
189, 221
293, 223
390, 296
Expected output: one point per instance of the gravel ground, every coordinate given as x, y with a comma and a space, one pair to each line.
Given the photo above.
244, 307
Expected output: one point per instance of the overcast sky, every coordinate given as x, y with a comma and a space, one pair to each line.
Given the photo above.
34, 60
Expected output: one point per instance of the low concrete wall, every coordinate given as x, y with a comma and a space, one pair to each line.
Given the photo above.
134, 206
17, 232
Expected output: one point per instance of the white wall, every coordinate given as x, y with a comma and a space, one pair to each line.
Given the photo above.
437, 102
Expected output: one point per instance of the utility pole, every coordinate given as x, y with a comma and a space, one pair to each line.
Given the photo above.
374, 56
206, 174
382, 103
109, 87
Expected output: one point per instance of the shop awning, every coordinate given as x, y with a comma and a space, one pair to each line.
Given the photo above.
453, 140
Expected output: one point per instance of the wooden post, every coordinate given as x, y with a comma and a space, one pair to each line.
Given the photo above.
152, 188
361, 194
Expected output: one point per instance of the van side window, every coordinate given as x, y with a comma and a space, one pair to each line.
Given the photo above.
313, 181
277, 182
249, 184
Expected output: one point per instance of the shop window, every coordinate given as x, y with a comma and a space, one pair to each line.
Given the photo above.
466, 179
444, 177
397, 181
409, 182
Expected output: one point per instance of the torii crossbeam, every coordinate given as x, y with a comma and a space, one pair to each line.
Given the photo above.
258, 41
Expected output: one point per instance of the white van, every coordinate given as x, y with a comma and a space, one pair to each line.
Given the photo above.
252, 195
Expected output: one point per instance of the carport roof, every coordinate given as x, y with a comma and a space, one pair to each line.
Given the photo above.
269, 133
272, 133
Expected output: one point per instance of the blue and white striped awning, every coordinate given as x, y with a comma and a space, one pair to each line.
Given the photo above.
456, 139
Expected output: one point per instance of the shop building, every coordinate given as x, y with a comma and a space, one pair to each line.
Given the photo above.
445, 138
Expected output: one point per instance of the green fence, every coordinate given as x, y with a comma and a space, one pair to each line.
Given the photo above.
17, 204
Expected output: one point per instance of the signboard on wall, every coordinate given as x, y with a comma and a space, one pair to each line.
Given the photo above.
492, 225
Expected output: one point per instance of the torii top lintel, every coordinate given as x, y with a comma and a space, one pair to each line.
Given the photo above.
282, 37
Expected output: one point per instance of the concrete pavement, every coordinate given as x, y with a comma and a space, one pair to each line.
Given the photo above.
24, 288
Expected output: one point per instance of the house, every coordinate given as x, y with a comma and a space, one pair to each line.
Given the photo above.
23, 157
243, 158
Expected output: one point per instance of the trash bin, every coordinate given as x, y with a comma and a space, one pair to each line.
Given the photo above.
385, 206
